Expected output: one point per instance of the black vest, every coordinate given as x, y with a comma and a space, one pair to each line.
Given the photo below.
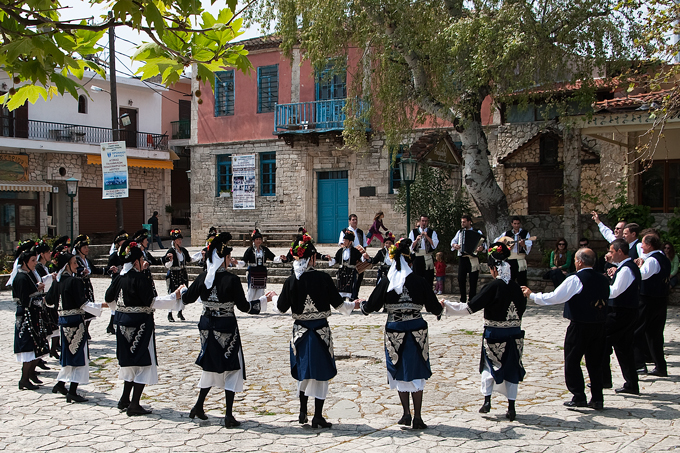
632, 252
657, 284
428, 247
523, 234
588, 306
630, 297
360, 235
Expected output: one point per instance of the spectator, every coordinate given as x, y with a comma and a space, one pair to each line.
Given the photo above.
153, 220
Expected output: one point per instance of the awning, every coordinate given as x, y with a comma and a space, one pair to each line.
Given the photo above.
27, 186
95, 159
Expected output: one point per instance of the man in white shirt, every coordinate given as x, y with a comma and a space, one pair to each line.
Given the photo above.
518, 252
606, 231
630, 234
359, 240
467, 263
585, 296
425, 241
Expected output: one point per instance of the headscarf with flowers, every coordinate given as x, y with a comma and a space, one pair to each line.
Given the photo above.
400, 254
498, 254
302, 249
217, 250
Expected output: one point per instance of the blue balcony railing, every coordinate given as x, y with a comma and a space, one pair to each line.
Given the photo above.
315, 116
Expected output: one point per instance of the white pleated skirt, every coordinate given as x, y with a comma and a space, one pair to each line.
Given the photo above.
27, 356
489, 385
416, 385
147, 375
229, 380
77, 374
313, 388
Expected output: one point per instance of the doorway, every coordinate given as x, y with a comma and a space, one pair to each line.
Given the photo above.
332, 205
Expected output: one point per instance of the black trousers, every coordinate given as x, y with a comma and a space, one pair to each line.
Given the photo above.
515, 275
584, 340
465, 268
619, 328
419, 269
649, 332
357, 285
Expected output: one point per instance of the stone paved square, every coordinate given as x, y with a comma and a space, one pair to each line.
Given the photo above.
363, 410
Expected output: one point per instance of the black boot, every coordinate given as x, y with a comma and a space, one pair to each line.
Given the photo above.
135, 408
170, 318
229, 420
197, 410
511, 414
54, 350
110, 329
303, 408
72, 395
486, 407
124, 400
60, 387
180, 315
318, 421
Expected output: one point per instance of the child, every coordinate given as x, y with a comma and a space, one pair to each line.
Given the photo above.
374, 231
440, 273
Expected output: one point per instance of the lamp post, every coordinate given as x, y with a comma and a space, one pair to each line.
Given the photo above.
408, 176
72, 191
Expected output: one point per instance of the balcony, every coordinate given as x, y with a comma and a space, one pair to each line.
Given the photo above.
76, 133
181, 130
314, 117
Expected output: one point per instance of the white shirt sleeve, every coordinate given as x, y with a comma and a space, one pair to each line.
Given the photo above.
649, 268
341, 238
168, 264
606, 232
346, 307
168, 302
528, 243
197, 256
569, 288
623, 280
456, 308
435, 239
412, 238
455, 239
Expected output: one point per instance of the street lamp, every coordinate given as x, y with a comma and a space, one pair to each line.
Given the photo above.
72, 191
408, 176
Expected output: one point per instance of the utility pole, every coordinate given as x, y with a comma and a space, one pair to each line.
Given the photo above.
114, 109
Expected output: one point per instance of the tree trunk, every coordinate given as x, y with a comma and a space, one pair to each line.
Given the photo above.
481, 182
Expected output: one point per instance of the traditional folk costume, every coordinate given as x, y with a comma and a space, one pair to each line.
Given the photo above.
221, 356
50, 313
134, 323
423, 264
85, 263
255, 258
403, 295
30, 331
310, 294
348, 258
117, 262
382, 258
68, 293
518, 254
360, 243
585, 296
503, 340
176, 261
468, 263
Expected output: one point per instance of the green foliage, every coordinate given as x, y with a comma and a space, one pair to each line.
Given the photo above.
673, 233
630, 213
40, 49
432, 193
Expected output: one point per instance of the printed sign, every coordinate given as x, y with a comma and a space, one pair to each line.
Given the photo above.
243, 183
114, 170
13, 167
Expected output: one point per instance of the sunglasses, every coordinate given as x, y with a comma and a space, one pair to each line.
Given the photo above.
562, 243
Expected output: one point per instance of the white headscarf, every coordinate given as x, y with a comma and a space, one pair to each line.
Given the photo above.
15, 269
300, 266
212, 267
503, 271
127, 267
398, 277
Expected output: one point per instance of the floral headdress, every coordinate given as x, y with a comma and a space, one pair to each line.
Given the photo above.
176, 233
126, 252
302, 247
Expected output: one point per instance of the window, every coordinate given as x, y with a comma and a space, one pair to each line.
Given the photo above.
268, 174
224, 93
395, 170
82, 104
549, 149
223, 173
659, 188
267, 88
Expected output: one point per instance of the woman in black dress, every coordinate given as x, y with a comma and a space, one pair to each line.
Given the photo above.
348, 257
403, 294
115, 263
503, 304
30, 331
45, 274
255, 258
221, 356
176, 261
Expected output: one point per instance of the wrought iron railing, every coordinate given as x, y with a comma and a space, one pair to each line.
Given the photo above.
77, 133
181, 129
316, 116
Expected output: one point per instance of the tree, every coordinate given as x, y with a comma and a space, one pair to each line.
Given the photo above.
40, 49
442, 58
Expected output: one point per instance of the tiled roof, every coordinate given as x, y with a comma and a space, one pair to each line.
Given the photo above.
261, 42
631, 102
426, 143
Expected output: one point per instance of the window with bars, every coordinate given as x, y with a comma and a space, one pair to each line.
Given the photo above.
224, 93
224, 173
268, 174
267, 88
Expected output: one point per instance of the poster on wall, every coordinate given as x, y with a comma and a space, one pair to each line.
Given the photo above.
114, 170
243, 184
13, 167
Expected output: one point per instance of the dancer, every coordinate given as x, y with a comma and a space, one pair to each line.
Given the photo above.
503, 341
50, 314
176, 262
115, 263
468, 263
255, 258
69, 292
403, 294
221, 355
135, 337
519, 250
585, 296
309, 294
382, 258
348, 256
30, 334
424, 241
86, 268
374, 231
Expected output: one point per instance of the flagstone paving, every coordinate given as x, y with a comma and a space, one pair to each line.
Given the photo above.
360, 405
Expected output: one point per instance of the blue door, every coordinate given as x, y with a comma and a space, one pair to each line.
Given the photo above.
332, 206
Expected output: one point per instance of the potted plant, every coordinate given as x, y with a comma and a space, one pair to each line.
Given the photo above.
169, 209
